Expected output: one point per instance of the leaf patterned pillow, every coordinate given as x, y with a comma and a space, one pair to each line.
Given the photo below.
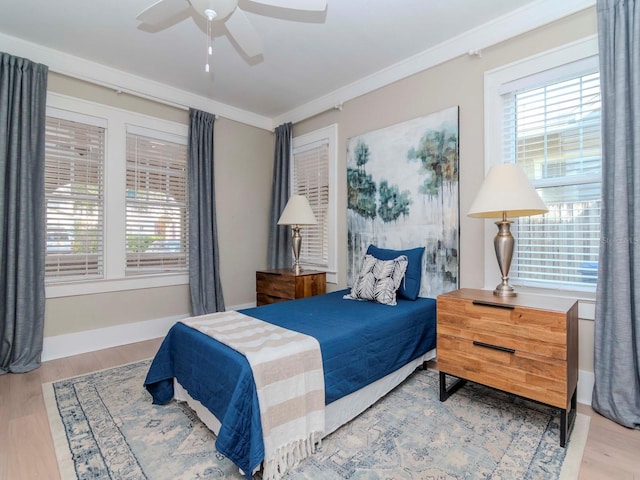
378, 280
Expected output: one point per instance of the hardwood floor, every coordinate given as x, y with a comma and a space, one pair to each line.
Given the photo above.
27, 452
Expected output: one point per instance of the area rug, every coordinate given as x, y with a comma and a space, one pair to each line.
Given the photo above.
105, 426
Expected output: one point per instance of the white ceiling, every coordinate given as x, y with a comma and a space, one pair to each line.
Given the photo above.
306, 56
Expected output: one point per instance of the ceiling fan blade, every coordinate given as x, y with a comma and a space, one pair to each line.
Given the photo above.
308, 5
162, 11
243, 33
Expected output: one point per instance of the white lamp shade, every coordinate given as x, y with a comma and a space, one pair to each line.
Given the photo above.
297, 212
506, 189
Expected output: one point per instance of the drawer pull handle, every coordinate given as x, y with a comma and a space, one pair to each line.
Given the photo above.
491, 304
493, 347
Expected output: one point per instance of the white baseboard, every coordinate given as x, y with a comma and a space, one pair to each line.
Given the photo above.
586, 381
90, 340
60, 346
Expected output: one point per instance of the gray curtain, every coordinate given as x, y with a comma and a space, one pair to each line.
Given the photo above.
23, 93
279, 253
617, 327
204, 264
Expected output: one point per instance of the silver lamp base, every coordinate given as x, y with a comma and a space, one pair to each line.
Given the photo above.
503, 289
503, 244
296, 243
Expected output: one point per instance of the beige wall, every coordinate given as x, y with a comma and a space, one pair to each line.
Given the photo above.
243, 169
65, 315
456, 82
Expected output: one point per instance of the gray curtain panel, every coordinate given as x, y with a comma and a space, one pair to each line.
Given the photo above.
617, 327
279, 253
23, 93
204, 264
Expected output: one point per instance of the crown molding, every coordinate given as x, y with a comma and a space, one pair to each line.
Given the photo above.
124, 82
517, 22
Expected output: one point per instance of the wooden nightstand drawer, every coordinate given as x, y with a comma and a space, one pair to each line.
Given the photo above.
515, 327
263, 299
283, 284
274, 285
537, 377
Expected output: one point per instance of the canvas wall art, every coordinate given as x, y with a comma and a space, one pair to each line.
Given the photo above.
402, 187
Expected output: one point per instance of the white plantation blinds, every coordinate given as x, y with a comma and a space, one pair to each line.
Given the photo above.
156, 203
74, 193
553, 132
310, 177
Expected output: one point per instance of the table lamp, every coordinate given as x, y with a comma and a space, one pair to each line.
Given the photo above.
506, 192
297, 212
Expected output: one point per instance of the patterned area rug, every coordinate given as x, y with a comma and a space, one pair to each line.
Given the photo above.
104, 426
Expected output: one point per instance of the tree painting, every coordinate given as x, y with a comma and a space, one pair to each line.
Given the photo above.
361, 189
438, 156
392, 202
402, 192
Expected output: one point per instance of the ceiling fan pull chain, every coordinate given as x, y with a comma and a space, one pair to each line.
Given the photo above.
206, 65
210, 14
206, 68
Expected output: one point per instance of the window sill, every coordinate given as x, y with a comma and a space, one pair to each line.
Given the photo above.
586, 300
91, 287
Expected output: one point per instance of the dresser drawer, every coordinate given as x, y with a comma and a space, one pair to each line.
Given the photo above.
533, 376
538, 332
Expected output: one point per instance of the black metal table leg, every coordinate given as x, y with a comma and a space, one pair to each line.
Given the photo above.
567, 419
447, 392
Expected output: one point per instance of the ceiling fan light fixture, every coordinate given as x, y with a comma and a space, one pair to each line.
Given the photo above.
210, 14
237, 24
222, 8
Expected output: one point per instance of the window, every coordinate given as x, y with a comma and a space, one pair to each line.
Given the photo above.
116, 193
553, 132
313, 175
550, 125
156, 204
74, 193
311, 179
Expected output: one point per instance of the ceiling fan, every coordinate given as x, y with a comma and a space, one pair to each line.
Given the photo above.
225, 11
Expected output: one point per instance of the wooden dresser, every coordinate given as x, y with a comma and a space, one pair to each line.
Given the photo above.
526, 345
284, 284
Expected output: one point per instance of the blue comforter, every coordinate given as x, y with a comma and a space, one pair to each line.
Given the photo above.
360, 342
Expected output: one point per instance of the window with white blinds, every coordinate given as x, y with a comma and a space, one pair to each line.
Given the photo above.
310, 177
552, 130
74, 194
156, 203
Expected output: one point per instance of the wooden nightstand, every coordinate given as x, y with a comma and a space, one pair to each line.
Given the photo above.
526, 345
284, 284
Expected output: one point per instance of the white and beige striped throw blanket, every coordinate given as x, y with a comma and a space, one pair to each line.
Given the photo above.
287, 370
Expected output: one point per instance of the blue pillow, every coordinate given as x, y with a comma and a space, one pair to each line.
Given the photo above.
410, 286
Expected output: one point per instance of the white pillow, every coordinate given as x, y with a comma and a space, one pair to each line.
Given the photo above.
378, 280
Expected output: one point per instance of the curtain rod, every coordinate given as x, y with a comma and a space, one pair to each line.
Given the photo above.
119, 90
145, 96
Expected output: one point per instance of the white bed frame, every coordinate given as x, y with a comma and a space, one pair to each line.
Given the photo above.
337, 413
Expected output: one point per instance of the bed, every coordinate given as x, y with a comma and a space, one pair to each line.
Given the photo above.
367, 349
